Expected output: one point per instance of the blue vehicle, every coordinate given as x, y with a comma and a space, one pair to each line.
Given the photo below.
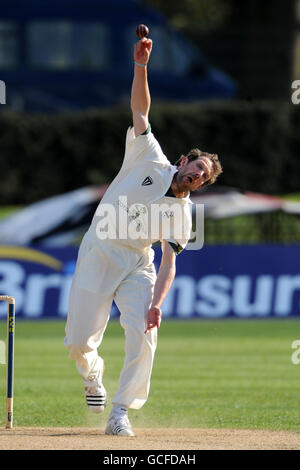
77, 54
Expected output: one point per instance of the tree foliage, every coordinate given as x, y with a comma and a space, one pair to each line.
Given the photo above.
199, 15
258, 145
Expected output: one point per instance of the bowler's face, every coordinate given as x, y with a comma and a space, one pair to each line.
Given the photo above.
191, 176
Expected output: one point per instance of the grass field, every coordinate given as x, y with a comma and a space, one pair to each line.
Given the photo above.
207, 374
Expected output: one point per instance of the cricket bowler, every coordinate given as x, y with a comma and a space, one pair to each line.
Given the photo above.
115, 260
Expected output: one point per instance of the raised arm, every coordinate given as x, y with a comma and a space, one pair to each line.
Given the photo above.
140, 95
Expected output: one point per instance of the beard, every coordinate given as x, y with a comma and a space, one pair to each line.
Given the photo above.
183, 181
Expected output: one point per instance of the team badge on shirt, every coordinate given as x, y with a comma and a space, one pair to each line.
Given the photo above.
147, 181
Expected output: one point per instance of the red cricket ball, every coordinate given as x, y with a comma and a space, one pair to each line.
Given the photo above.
142, 31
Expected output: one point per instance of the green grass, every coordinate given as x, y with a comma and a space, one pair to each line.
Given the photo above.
207, 374
8, 210
292, 196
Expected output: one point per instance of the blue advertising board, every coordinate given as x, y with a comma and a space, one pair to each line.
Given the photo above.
246, 281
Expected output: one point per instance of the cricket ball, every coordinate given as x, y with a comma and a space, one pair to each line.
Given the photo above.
142, 31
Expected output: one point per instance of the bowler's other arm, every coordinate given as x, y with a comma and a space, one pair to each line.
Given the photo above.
165, 278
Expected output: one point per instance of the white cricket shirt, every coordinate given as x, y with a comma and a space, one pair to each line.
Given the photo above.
134, 210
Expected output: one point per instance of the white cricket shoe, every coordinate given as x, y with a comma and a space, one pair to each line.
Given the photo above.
119, 425
95, 393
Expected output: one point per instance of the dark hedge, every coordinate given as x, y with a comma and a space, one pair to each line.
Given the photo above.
42, 155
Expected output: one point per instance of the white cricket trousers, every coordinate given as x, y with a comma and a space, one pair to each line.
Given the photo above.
107, 271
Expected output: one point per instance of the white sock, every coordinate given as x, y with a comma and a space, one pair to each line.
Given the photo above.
119, 410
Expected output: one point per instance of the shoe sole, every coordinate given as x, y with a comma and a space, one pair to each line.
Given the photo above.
95, 407
108, 433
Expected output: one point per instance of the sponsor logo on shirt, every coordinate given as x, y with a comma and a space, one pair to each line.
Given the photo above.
168, 214
147, 181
